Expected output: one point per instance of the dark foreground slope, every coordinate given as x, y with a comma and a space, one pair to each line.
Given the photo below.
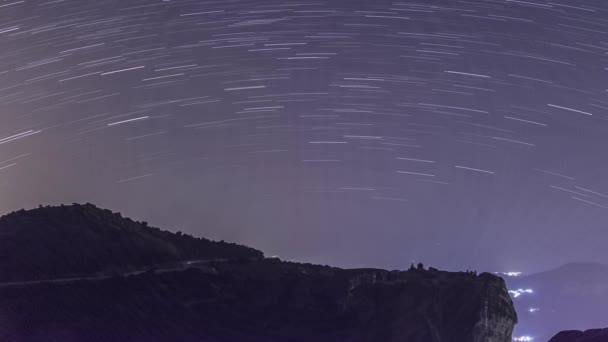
593, 335
255, 300
66, 241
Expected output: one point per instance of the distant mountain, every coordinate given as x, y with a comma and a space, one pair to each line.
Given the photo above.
233, 296
573, 296
592, 335
66, 241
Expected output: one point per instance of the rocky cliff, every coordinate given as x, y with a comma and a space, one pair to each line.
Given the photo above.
251, 300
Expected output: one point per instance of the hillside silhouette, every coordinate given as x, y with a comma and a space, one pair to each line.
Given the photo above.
75, 240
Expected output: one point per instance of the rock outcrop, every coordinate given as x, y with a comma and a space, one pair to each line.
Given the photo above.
592, 335
255, 300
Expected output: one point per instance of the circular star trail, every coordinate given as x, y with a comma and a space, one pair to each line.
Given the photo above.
356, 133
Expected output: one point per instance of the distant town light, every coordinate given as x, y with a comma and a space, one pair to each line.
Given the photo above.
523, 338
519, 292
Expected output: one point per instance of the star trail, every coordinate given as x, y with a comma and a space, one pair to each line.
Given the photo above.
356, 133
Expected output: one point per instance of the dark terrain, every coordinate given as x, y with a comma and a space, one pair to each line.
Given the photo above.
75, 240
592, 335
229, 294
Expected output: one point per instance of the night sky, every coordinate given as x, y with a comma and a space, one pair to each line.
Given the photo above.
463, 134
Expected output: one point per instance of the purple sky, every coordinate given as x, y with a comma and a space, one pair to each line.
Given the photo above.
464, 134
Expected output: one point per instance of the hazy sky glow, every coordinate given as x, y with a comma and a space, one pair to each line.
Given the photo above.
357, 133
